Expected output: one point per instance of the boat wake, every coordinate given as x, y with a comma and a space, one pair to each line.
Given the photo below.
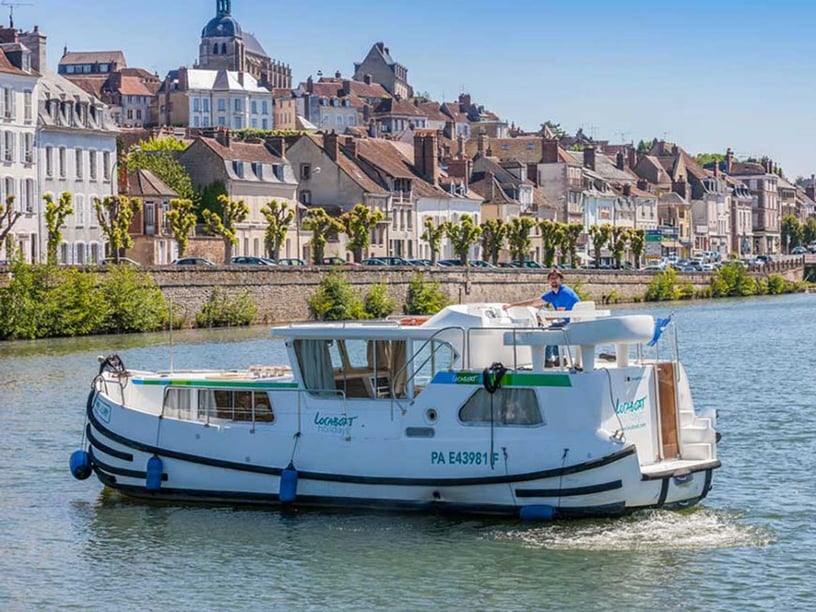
697, 529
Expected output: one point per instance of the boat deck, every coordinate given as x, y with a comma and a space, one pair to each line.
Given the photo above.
672, 466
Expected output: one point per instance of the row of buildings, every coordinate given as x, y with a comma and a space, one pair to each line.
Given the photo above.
364, 139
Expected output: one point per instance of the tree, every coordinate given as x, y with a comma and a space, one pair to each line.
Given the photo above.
809, 230
182, 220
207, 197
707, 158
433, 235
494, 232
278, 219
463, 235
358, 223
55, 214
617, 244
162, 163
556, 129
637, 242
793, 234
550, 236
115, 214
8, 217
232, 213
518, 237
600, 235
322, 225
569, 244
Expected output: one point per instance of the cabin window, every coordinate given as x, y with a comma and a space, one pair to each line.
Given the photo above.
363, 369
244, 406
509, 407
176, 403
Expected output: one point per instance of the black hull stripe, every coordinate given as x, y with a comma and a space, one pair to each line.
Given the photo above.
105, 448
369, 480
109, 469
664, 492
574, 491
707, 485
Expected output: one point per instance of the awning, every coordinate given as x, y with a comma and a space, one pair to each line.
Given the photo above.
671, 245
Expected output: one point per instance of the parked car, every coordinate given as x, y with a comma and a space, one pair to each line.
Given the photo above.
192, 261
291, 261
447, 263
385, 261
798, 250
527, 263
507, 264
126, 261
422, 263
658, 266
252, 261
480, 263
338, 261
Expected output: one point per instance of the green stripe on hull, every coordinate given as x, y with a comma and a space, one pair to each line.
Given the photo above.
516, 379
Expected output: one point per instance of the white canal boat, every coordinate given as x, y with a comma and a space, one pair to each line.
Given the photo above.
456, 413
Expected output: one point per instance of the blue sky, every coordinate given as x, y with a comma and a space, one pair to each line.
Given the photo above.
705, 74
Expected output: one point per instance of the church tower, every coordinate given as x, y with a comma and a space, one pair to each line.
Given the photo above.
222, 42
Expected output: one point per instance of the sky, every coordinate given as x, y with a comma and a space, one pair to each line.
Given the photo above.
707, 75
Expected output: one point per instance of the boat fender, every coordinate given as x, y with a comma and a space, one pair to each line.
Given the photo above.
537, 513
492, 377
288, 484
682, 477
80, 463
154, 473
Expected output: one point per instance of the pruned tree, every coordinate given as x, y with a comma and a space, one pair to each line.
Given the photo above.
637, 244
793, 232
494, 231
519, 239
278, 219
463, 235
433, 235
569, 242
322, 225
600, 235
358, 223
55, 215
115, 214
617, 244
550, 236
225, 223
182, 219
8, 217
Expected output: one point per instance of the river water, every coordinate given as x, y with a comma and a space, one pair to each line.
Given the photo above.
750, 545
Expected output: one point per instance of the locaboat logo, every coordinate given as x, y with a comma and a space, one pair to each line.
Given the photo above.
333, 423
631, 406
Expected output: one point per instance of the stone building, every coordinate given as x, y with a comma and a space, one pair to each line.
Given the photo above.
379, 67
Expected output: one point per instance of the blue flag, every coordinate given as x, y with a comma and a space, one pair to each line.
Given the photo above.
660, 325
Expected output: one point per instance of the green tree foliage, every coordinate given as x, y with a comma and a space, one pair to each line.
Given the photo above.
600, 235
134, 302
76, 305
433, 235
182, 221
424, 298
225, 224
793, 233
24, 302
162, 144
323, 226
617, 244
707, 158
732, 280
519, 232
569, 242
358, 223
162, 163
378, 304
222, 310
494, 231
8, 217
665, 286
463, 235
335, 300
55, 215
115, 214
637, 242
556, 129
809, 231
278, 219
550, 236
208, 198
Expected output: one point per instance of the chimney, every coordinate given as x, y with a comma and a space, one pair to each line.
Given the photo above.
619, 161
338, 75
549, 151
36, 43
346, 87
332, 145
367, 79
277, 144
449, 130
372, 128
490, 179
241, 78
9, 35
632, 154
460, 147
674, 150
481, 146
589, 158
425, 157
310, 84
716, 168
350, 147
729, 160
627, 189
222, 137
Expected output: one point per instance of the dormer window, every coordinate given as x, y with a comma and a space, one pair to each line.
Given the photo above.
238, 168
257, 169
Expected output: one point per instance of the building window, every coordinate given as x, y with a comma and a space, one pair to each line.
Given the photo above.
150, 218
206, 105
305, 197
195, 122
62, 162
222, 122
92, 165
9, 146
28, 148
222, 104
254, 106
215, 49
264, 107
78, 159
29, 195
196, 105
305, 172
106, 169
237, 105
8, 102
27, 106
257, 168
79, 209
49, 162
264, 124
238, 168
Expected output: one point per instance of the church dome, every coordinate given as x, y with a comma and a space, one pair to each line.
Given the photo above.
222, 26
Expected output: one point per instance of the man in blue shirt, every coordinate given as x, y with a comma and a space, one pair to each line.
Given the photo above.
560, 297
